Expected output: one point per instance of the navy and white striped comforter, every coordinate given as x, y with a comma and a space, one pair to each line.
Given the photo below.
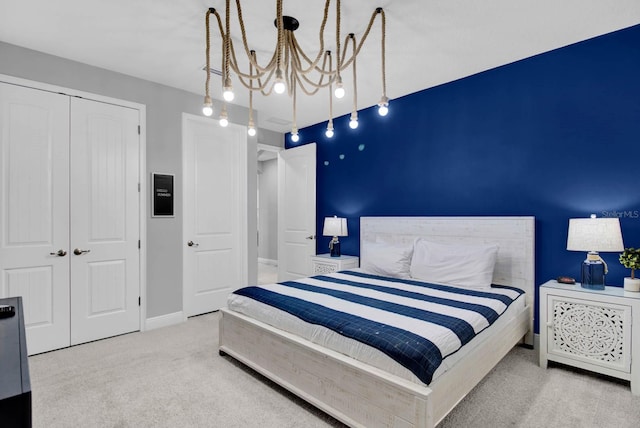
415, 323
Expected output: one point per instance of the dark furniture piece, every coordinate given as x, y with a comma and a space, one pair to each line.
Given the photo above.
15, 385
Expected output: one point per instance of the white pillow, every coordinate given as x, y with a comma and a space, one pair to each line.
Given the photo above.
387, 260
469, 266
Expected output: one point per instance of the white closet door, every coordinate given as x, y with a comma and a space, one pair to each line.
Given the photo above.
104, 252
34, 211
215, 206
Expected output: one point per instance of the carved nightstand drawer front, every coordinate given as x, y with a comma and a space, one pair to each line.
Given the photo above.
592, 332
323, 264
323, 268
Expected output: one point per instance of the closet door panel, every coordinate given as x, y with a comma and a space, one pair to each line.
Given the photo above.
105, 222
34, 211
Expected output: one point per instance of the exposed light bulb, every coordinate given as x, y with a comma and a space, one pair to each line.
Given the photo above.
227, 90
207, 107
251, 131
339, 92
224, 121
228, 94
353, 123
383, 106
329, 132
279, 87
294, 134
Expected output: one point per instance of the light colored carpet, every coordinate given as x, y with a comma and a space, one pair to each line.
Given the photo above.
174, 377
267, 274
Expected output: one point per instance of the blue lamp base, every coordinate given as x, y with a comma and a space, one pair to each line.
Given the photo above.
334, 248
592, 274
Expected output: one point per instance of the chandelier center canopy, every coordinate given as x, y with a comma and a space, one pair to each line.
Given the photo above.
289, 23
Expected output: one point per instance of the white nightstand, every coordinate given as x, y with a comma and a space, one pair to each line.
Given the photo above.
596, 330
324, 263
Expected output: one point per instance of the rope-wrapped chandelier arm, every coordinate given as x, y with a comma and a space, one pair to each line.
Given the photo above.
378, 11
227, 45
329, 132
319, 85
260, 70
259, 74
384, 36
207, 50
295, 122
280, 25
229, 54
298, 50
338, 63
352, 37
287, 72
312, 64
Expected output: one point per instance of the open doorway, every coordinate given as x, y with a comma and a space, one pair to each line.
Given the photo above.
267, 204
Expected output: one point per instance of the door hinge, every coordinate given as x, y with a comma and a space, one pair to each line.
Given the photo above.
139, 301
138, 244
138, 187
138, 129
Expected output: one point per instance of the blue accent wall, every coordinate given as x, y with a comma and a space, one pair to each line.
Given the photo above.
555, 136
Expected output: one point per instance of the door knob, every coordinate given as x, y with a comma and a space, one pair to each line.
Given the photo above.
310, 237
78, 251
59, 253
192, 244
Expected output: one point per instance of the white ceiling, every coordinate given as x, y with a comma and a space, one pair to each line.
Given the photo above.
429, 42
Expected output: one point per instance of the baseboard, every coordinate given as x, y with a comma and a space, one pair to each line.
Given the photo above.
165, 320
268, 261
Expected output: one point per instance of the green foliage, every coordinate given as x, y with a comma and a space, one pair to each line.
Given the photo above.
630, 259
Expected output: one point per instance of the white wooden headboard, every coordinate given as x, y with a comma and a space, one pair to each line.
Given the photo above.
515, 236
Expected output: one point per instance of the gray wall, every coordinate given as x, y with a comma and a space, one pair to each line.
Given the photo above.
268, 209
165, 106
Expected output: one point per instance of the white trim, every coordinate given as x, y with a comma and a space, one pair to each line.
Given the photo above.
143, 217
165, 320
142, 164
269, 148
270, 262
69, 91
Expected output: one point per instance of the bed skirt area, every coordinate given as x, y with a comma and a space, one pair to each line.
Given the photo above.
356, 393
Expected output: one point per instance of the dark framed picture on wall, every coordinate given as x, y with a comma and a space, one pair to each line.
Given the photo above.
161, 195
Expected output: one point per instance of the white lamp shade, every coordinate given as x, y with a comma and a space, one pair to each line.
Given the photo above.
594, 234
335, 226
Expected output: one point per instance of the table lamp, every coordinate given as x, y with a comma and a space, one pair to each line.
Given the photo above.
335, 226
594, 235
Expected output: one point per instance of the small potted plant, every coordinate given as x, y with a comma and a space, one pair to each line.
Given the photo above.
630, 259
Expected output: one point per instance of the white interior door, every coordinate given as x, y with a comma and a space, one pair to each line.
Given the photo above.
215, 213
296, 211
104, 253
34, 211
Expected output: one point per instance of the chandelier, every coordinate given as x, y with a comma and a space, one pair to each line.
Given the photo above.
289, 69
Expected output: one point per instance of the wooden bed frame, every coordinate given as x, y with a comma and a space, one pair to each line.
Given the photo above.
363, 396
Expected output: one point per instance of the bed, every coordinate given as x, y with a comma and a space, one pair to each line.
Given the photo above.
365, 394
